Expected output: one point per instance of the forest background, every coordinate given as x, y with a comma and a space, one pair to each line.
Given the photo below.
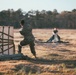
39, 19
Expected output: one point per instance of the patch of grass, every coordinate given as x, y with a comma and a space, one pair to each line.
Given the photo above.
54, 56
26, 69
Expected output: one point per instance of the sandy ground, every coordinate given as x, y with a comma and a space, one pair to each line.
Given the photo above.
53, 58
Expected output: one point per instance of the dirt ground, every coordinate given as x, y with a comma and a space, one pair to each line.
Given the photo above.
53, 58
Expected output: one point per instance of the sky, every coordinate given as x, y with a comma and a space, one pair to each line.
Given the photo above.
27, 5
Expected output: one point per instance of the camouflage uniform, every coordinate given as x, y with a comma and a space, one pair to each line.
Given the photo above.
28, 38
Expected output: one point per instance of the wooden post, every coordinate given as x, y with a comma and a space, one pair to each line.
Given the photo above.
6, 40
2, 39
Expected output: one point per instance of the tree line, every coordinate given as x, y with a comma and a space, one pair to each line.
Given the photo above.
39, 19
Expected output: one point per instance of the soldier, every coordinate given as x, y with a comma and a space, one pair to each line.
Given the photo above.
28, 37
55, 37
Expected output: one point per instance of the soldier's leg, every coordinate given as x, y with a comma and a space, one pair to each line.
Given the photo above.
22, 43
32, 48
50, 40
19, 48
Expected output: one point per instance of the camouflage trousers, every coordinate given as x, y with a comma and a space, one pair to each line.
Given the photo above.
31, 45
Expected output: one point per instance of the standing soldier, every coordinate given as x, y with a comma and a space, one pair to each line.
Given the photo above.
28, 37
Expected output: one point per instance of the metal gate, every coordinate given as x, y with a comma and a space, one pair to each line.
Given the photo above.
7, 40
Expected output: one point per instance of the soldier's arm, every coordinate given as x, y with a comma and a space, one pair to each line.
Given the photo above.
22, 31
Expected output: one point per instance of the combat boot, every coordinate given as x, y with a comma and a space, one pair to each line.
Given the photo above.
19, 49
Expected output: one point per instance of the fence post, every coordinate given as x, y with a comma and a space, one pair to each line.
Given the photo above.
7, 45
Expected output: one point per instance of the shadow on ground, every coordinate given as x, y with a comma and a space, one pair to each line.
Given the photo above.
49, 62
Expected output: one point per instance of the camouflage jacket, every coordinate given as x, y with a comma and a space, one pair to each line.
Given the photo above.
27, 32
